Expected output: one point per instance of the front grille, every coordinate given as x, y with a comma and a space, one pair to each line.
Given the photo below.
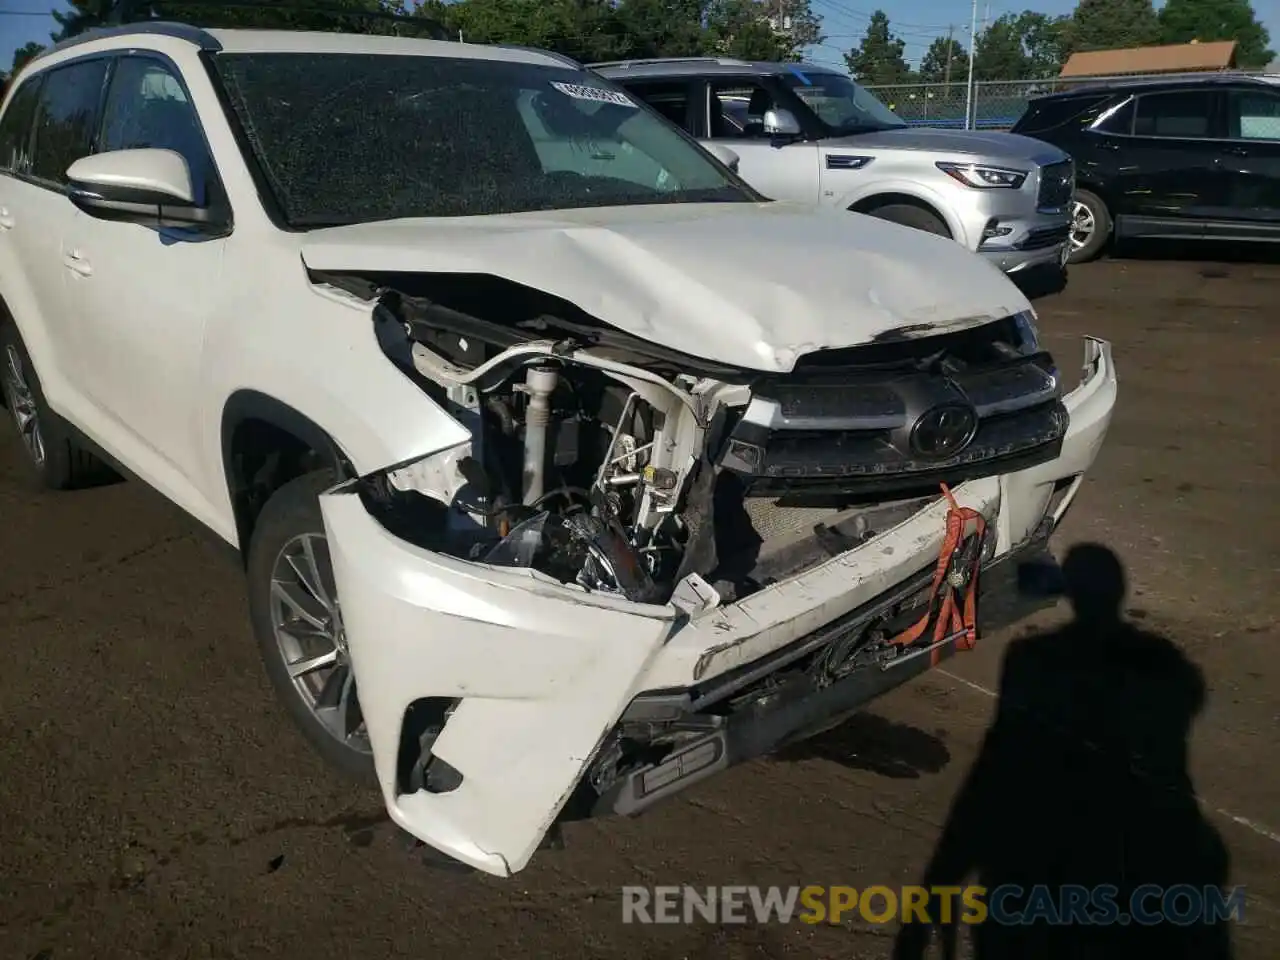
1043, 237
1057, 184
847, 428
851, 461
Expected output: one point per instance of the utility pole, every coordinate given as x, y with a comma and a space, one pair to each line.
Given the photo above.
973, 55
950, 48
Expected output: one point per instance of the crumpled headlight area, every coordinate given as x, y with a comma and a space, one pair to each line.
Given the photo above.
575, 469
1024, 323
1027, 333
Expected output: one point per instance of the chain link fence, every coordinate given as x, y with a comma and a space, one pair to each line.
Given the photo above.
997, 103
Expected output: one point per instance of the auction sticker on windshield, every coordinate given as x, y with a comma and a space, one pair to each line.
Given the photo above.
581, 92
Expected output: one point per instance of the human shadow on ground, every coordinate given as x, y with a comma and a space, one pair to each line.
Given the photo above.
1081, 790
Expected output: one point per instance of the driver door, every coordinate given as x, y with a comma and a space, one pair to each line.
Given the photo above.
141, 295
781, 169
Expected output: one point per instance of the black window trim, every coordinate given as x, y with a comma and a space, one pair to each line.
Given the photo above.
220, 201
44, 74
1216, 100
729, 79
811, 127
1111, 110
1079, 105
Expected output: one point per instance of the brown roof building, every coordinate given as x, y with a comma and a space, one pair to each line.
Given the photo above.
1171, 58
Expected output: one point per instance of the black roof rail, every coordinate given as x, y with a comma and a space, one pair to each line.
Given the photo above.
563, 58
156, 28
1066, 86
142, 11
647, 61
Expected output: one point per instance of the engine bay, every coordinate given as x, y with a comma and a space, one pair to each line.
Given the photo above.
607, 462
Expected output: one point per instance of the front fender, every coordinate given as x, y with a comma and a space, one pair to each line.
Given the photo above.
916, 190
313, 351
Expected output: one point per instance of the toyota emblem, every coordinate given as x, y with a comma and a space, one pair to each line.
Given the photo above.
944, 430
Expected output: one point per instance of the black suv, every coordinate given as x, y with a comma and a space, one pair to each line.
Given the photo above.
1187, 158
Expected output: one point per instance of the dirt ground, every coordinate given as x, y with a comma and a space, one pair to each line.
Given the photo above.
155, 802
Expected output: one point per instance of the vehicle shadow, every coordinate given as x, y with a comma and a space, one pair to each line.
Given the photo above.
1195, 251
1082, 783
1041, 281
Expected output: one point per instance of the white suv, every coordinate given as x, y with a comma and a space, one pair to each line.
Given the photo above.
596, 471
811, 134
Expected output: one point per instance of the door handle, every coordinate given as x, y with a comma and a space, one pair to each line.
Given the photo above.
6, 219
76, 263
1236, 151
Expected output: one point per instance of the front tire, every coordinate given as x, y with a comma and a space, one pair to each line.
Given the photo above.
56, 460
1090, 227
293, 605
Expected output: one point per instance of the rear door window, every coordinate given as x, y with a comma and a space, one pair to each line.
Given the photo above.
67, 118
1253, 115
15, 128
1176, 114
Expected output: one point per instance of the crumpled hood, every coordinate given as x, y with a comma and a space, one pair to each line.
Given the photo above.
991, 144
753, 285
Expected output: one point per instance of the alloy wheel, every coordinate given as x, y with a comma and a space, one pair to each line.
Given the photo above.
307, 622
1083, 225
21, 401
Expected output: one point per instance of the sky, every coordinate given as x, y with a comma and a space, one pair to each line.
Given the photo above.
917, 22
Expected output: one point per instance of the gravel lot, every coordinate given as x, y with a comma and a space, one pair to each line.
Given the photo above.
157, 803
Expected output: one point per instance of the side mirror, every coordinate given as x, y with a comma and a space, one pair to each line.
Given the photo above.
781, 123
148, 186
723, 154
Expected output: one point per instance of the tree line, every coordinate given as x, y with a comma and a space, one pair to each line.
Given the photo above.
1015, 46
1031, 45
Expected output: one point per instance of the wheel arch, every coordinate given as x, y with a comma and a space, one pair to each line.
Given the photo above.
874, 201
265, 443
1097, 188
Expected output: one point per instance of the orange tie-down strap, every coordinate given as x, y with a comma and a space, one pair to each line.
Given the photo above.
956, 617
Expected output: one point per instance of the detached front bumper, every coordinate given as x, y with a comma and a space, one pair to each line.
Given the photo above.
544, 672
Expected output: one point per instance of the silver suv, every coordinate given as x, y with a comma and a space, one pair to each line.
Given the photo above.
808, 133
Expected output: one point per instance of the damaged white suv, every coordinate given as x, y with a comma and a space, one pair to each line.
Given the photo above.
596, 472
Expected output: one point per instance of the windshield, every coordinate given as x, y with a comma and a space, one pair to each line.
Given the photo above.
841, 104
350, 138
